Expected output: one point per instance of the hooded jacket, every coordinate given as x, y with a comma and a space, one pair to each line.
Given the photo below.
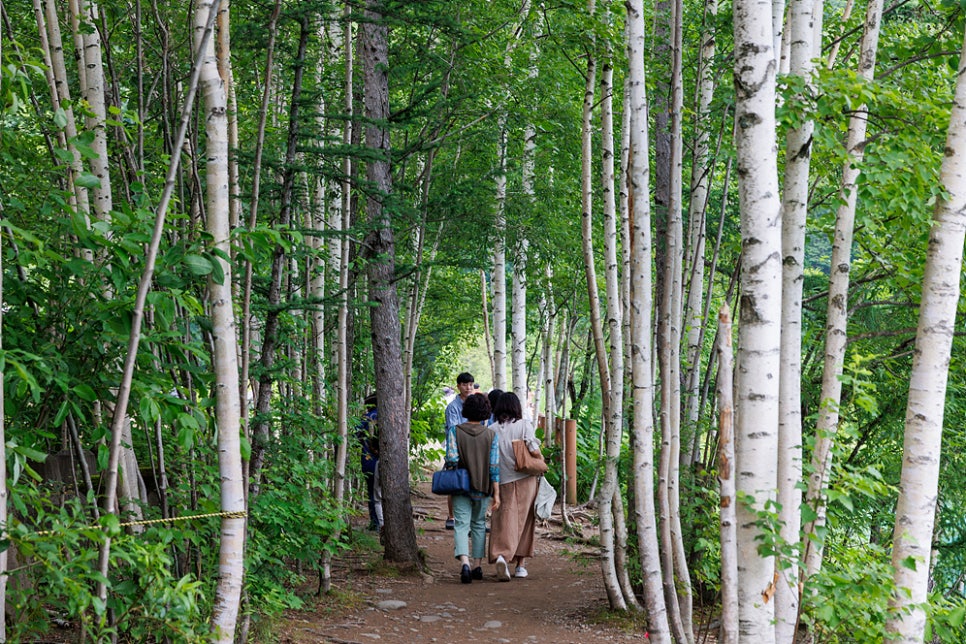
473, 441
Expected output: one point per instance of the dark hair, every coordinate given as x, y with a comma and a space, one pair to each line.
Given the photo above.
476, 408
494, 396
508, 407
371, 401
466, 376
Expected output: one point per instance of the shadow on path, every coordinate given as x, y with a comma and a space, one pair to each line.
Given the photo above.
555, 604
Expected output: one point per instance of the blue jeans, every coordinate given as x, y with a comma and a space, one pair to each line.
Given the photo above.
470, 515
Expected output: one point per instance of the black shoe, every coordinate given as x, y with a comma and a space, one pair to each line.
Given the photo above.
477, 573
466, 576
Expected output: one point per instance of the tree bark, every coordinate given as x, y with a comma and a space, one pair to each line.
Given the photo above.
642, 426
726, 481
263, 403
759, 330
805, 40
918, 485
399, 532
231, 560
836, 325
701, 170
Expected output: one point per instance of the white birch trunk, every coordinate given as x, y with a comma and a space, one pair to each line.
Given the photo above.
612, 431
224, 351
836, 325
519, 302
60, 99
642, 426
225, 69
675, 229
92, 70
498, 277
759, 332
918, 485
803, 37
726, 481
338, 216
549, 397
700, 182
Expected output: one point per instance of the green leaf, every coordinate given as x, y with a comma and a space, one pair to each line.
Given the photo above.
197, 264
111, 524
908, 562
808, 514
30, 453
186, 438
88, 180
60, 117
217, 272
61, 413
85, 392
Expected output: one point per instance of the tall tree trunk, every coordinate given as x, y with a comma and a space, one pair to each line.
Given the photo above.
550, 399
674, 268
231, 559
726, 481
60, 99
518, 308
605, 498
759, 323
263, 403
340, 217
246, 323
838, 301
92, 71
805, 39
498, 276
487, 335
701, 170
918, 485
400, 534
642, 426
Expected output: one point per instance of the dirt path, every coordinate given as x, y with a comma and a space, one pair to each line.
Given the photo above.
558, 603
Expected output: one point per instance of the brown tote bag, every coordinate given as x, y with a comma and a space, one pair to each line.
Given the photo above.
527, 462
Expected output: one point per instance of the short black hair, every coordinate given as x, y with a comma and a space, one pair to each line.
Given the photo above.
494, 396
476, 408
508, 407
466, 376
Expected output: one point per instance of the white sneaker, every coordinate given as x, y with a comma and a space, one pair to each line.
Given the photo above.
520, 572
502, 569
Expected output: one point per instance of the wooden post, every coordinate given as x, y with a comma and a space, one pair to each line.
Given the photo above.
571, 458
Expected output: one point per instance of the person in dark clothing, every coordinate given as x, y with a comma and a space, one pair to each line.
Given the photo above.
367, 434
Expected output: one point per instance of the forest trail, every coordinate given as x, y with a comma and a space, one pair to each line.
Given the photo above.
557, 603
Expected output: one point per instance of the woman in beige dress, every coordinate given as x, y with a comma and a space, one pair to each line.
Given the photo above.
512, 524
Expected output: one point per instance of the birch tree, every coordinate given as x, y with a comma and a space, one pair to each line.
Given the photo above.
837, 310
805, 39
759, 322
726, 481
224, 343
701, 169
642, 425
607, 368
918, 486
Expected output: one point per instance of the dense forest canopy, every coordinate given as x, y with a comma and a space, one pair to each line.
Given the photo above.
206, 208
